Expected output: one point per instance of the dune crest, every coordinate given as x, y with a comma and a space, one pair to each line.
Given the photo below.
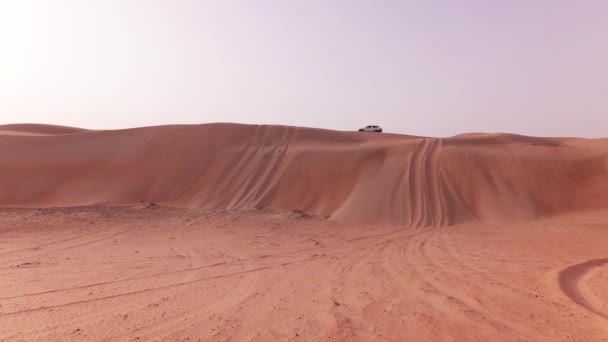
349, 176
38, 129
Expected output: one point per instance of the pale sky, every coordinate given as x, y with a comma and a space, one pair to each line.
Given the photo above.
424, 67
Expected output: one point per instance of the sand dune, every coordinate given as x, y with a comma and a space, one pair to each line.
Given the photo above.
38, 129
226, 232
349, 176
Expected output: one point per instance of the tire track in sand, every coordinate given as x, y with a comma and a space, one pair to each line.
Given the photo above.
425, 203
113, 308
244, 284
570, 279
202, 267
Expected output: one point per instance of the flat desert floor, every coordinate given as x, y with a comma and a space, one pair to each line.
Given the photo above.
149, 272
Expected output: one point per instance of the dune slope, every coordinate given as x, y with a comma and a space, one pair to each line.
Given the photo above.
349, 176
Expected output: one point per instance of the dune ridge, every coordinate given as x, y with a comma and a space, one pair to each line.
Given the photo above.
38, 129
348, 176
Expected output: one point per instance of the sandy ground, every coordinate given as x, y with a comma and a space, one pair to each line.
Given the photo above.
273, 233
156, 273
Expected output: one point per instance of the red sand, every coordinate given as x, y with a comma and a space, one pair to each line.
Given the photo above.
283, 233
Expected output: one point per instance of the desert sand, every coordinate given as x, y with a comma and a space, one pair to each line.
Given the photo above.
227, 232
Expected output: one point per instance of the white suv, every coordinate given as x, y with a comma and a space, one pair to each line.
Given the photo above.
371, 129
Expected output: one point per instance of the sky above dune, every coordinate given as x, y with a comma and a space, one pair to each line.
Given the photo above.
424, 67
